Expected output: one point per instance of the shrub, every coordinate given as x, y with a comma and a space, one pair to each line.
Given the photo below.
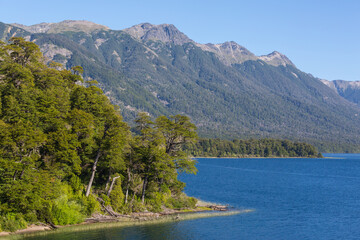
106, 199
12, 222
136, 205
31, 217
89, 204
181, 202
75, 183
66, 212
117, 196
155, 203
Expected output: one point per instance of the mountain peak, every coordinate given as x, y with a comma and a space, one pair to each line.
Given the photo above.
229, 52
64, 26
162, 32
276, 59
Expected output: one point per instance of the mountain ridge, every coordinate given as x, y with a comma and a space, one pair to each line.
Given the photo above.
229, 52
63, 26
226, 98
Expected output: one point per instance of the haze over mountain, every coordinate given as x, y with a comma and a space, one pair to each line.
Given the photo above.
227, 91
349, 90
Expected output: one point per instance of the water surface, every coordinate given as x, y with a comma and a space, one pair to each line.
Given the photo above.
293, 199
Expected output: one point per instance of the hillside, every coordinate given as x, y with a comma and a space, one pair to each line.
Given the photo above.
226, 90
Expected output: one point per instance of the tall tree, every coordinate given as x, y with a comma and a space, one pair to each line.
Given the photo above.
178, 131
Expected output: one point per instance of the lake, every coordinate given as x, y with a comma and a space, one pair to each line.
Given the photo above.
292, 199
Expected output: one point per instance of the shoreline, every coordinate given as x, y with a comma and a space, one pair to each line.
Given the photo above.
256, 157
203, 210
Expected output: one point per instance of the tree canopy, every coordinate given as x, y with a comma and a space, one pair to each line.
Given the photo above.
250, 148
64, 145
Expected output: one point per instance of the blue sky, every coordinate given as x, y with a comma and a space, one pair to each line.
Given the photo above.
320, 37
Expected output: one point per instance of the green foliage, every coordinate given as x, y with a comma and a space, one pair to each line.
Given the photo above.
156, 153
181, 202
59, 141
155, 203
66, 212
12, 222
251, 148
107, 201
117, 196
135, 205
89, 204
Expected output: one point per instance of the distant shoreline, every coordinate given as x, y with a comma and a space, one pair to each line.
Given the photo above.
256, 157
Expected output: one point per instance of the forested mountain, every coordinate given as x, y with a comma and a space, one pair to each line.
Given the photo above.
226, 90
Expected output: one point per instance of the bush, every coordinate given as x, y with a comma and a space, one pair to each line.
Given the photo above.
89, 204
136, 205
12, 222
31, 217
117, 196
181, 202
66, 212
106, 199
75, 183
154, 204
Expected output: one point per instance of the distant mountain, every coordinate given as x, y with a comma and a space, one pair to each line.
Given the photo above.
276, 59
64, 26
166, 33
349, 90
226, 90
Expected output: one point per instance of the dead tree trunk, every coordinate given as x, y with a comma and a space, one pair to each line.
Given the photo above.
127, 185
95, 164
93, 173
108, 182
14, 177
112, 185
143, 190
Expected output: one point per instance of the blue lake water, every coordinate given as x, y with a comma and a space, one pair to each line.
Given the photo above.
292, 199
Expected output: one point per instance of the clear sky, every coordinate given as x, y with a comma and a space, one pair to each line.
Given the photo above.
320, 37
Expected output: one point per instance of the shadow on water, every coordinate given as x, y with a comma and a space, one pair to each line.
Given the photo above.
149, 231
164, 228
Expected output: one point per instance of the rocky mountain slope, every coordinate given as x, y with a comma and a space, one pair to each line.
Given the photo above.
349, 90
226, 90
64, 26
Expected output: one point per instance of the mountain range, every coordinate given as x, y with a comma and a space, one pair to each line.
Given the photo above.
228, 91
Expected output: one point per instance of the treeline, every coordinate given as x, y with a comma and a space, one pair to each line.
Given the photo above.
250, 148
65, 151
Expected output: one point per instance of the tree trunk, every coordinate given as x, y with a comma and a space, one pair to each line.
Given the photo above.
22, 173
108, 182
127, 185
93, 173
133, 197
112, 185
14, 177
127, 192
143, 190
95, 163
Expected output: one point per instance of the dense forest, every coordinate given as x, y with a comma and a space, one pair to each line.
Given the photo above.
250, 148
65, 151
